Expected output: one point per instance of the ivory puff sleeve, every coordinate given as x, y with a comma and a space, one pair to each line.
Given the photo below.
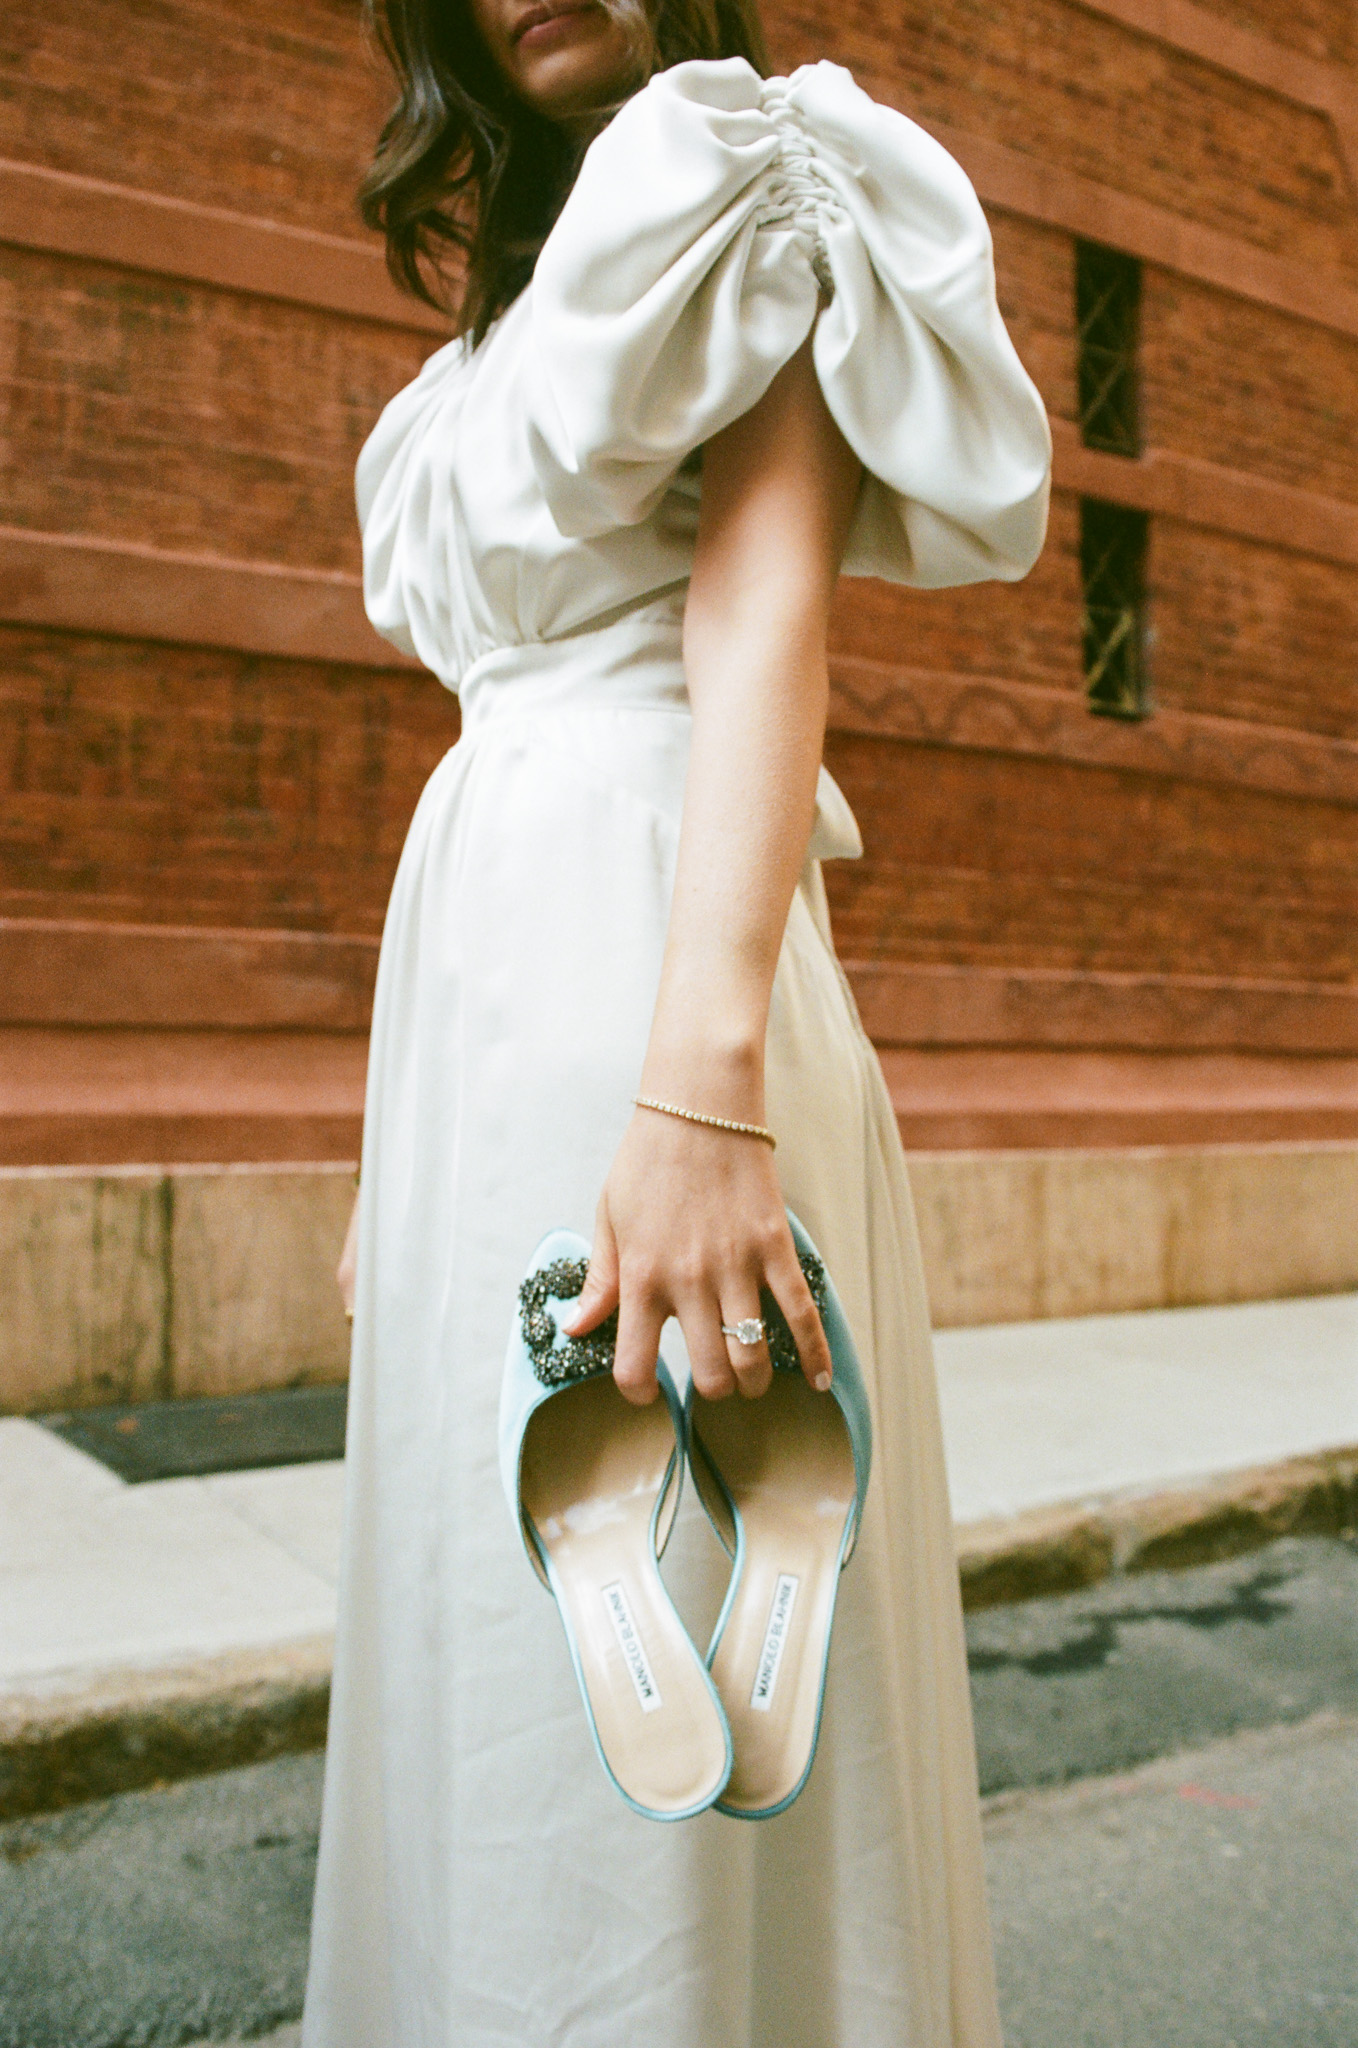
720, 218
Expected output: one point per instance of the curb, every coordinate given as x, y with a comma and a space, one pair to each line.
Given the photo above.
124, 1731
1060, 1549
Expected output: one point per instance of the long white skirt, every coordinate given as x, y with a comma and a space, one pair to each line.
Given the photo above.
480, 1884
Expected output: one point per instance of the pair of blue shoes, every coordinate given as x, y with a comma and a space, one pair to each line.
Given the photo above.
593, 1484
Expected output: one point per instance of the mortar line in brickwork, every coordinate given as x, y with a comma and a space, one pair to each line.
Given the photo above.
62, 213
1322, 85
1316, 82
1015, 182
51, 211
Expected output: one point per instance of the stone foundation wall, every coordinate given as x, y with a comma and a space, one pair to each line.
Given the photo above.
137, 1284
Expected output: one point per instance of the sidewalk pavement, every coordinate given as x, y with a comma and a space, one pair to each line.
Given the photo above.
149, 1632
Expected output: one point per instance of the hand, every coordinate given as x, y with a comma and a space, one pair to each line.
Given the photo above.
348, 1262
691, 1224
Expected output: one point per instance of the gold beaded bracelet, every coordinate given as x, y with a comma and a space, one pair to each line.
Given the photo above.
718, 1123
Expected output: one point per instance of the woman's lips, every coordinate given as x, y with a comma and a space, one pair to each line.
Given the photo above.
542, 25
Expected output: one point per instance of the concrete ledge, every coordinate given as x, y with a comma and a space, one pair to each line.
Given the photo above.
73, 1740
1061, 1548
123, 1730
139, 1283
1025, 1236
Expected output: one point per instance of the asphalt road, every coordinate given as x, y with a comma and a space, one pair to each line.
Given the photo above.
1207, 1900
1139, 1667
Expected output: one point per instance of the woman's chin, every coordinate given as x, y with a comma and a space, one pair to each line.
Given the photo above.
572, 65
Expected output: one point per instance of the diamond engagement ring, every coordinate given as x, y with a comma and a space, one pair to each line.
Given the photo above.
749, 1330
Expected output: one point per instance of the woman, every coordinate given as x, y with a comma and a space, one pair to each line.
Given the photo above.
611, 889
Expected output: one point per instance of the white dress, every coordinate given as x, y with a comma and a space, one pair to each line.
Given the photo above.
528, 514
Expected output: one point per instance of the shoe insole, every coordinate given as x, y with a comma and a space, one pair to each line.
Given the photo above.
787, 1463
592, 1469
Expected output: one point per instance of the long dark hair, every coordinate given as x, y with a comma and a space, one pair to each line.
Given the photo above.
467, 180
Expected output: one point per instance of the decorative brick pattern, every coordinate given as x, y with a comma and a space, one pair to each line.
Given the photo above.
1326, 29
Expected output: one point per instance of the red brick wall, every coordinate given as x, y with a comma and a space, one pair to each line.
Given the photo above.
1057, 81
1253, 634
1318, 28
1029, 632
1245, 386
169, 785
144, 782
149, 783
976, 857
265, 108
143, 409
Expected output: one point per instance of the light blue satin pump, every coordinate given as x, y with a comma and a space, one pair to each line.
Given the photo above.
783, 1479
593, 1486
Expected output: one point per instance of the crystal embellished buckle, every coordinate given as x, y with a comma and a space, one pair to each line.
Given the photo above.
783, 1354
559, 1364
578, 1358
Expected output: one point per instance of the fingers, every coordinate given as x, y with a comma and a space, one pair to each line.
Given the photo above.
700, 1319
599, 1295
642, 1315
640, 1320
706, 1304
749, 1362
787, 1284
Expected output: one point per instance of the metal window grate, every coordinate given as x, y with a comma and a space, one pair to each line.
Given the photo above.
1113, 573
1107, 316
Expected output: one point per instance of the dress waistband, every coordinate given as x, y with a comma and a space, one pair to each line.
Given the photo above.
635, 663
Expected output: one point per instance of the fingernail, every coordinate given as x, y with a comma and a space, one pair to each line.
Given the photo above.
823, 1383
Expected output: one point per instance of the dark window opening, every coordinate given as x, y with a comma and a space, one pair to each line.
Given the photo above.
1113, 573
1107, 318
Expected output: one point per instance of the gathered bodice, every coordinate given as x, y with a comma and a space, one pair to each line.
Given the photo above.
546, 483
461, 554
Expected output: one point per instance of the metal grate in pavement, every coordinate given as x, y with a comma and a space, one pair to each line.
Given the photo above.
189, 1439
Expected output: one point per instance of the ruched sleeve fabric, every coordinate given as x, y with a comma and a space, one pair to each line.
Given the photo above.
716, 222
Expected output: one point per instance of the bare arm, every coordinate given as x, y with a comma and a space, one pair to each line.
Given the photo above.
691, 1220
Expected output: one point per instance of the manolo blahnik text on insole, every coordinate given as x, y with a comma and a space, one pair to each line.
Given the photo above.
775, 1641
629, 1642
